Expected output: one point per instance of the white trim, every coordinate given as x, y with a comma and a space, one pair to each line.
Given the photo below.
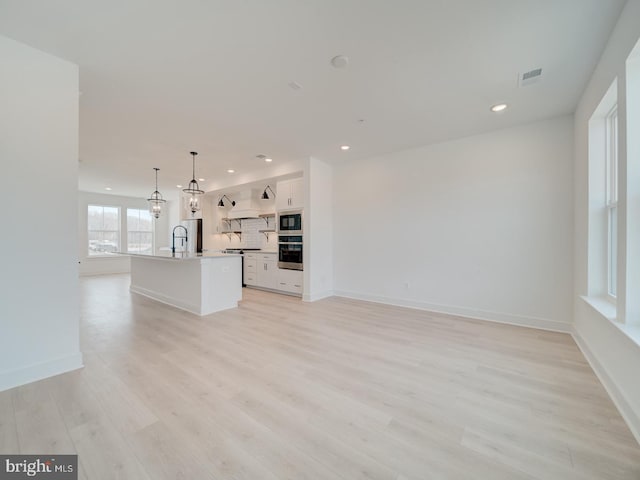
195, 309
313, 297
628, 414
519, 320
104, 265
603, 306
40, 371
274, 290
608, 313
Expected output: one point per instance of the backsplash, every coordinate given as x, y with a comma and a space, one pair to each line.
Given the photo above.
251, 236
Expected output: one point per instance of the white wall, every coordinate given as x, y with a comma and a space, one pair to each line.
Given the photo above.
114, 263
318, 231
39, 298
480, 226
613, 354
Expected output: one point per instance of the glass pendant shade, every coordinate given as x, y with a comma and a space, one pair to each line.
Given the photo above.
193, 190
156, 200
194, 204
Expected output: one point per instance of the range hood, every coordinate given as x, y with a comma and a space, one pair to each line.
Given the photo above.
247, 206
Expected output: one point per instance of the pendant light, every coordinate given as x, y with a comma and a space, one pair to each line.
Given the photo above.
194, 191
156, 200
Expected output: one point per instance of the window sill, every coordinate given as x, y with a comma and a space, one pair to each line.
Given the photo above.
603, 306
608, 311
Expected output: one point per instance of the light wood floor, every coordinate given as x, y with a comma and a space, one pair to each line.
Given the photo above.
337, 389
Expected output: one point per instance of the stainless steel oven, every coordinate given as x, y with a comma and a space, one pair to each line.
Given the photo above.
290, 222
290, 252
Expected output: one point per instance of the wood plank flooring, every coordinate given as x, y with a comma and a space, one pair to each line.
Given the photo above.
336, 389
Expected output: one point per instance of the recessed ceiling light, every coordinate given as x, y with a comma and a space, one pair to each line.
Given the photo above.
107, 188
201, 179
178, 186
231, 171
499, 107
344, 147
268, 159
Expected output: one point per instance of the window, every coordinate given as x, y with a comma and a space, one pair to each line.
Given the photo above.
612, 200
139, 231
103, 229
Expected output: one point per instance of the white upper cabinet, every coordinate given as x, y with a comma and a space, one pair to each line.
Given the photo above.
290, 194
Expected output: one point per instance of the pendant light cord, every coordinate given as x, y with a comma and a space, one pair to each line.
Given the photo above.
193, 170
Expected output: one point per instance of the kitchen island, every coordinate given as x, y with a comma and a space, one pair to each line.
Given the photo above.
198, 283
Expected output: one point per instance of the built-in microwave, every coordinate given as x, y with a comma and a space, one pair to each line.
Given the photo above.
290, 222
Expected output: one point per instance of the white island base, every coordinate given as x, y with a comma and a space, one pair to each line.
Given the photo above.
198, 284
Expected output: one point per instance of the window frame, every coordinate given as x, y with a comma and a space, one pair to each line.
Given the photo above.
611, 200
152, 231
118, 231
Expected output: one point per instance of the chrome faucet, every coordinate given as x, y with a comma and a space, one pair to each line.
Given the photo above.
173, 241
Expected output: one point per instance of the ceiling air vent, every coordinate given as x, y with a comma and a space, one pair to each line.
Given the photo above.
532, 76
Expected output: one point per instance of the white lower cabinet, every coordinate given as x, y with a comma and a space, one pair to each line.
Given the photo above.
261, 270
250, 268
290, 280
266, 275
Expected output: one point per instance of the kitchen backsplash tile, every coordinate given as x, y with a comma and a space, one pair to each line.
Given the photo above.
252, 237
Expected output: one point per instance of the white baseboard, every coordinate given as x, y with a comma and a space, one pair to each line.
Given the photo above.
621, 403
90, 266
166, 300
312, 297
40, 371
519, 320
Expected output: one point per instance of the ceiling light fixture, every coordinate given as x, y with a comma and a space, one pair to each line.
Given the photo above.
221, 201
265, 195
201, 179
156, 200
500, 107
179, 186
268, 159
107, 188
194, 191
231, 171
344, 147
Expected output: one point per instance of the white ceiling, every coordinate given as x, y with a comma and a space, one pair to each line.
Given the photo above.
160, 78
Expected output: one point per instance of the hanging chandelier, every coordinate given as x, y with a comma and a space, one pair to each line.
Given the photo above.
193, 190
156, 200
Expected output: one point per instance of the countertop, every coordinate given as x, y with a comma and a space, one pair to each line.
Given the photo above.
182, 255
